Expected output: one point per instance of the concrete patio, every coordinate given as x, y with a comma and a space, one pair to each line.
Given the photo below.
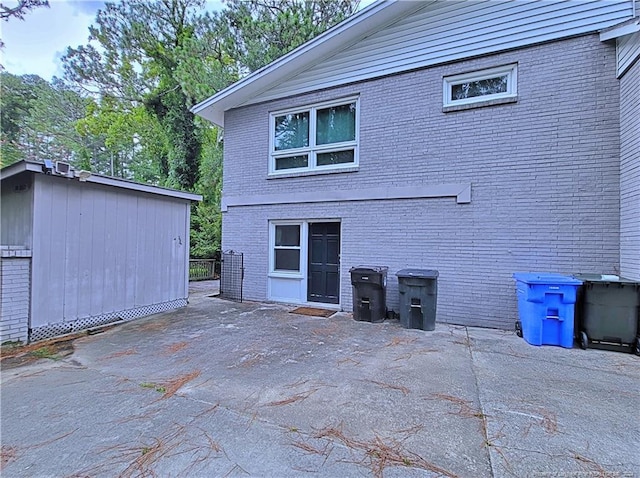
232, 390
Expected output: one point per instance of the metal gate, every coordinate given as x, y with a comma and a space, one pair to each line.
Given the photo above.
231, 275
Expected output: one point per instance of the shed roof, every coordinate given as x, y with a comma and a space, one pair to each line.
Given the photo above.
85, 176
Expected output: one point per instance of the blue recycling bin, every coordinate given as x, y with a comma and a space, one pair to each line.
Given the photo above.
546, 306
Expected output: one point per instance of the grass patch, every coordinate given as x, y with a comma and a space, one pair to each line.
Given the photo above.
46, 352
153, 386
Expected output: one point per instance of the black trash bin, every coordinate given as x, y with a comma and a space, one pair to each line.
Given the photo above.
607, 313
369, 293
418, 296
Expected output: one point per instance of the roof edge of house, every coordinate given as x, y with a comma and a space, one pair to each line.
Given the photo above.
375, 16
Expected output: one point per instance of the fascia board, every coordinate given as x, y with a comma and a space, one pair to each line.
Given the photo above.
146, 188
20, 167
618, 31
370, 19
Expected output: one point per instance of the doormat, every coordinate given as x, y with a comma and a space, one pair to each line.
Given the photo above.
313, 312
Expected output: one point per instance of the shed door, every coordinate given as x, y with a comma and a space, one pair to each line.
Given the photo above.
324, 262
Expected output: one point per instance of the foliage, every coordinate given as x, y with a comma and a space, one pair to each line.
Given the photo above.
123, 108
206, 219
260, 31
140, 53
38, 119
20, 10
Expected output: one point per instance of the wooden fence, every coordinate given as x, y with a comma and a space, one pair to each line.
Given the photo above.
204, 269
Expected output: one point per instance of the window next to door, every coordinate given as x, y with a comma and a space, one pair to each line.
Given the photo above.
286, 248
319, 137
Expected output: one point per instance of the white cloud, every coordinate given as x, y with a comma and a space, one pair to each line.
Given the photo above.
35, 45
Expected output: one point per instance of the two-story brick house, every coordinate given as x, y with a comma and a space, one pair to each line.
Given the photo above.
475, 138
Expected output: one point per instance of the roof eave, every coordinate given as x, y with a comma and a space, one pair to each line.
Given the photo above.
86, 176
375, 16
627, 27
20, 167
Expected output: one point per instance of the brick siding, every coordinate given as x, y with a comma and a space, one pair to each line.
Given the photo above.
15, 274
544, 174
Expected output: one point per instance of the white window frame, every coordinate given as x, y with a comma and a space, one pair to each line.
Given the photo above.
272, 248
510, 70
313, 150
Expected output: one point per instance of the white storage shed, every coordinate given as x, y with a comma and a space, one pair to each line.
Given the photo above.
81, 250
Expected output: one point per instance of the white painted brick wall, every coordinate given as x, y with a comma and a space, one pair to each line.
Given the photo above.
544, 174
14, 298
630, 173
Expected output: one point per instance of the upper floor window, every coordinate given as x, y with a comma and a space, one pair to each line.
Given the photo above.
318, 137
481, 85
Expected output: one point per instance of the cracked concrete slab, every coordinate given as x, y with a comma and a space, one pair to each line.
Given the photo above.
227, 389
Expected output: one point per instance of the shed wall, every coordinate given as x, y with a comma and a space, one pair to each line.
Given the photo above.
16, 210
101, 251
544, 173
630, 173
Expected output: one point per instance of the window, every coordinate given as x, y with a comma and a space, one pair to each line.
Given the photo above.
286, 250
480, 86
319, 137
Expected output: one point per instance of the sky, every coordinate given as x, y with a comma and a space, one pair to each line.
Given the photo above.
36, 44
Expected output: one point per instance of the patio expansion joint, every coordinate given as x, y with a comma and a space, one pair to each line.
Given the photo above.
483, 414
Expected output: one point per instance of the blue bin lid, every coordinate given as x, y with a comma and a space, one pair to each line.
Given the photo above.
421, 273
545, 278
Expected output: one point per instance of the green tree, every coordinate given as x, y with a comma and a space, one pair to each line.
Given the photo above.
20, 10
39, 118
148, 62
260, 31
16, 95
135, 56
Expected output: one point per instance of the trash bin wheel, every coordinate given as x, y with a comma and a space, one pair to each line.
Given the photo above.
637, 347
584, 340
518, 328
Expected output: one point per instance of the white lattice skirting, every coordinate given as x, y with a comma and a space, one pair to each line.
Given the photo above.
61, 328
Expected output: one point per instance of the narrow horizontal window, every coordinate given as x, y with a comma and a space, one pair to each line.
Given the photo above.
291, 162
480, 86
319, 137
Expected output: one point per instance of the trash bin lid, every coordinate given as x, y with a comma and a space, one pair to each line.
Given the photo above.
421, 273
605, 279
369, 269
545, 278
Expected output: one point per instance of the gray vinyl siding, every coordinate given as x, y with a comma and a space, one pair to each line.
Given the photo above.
630, 173
16, 210
447, 31
544, 173
628, 51
99, 250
